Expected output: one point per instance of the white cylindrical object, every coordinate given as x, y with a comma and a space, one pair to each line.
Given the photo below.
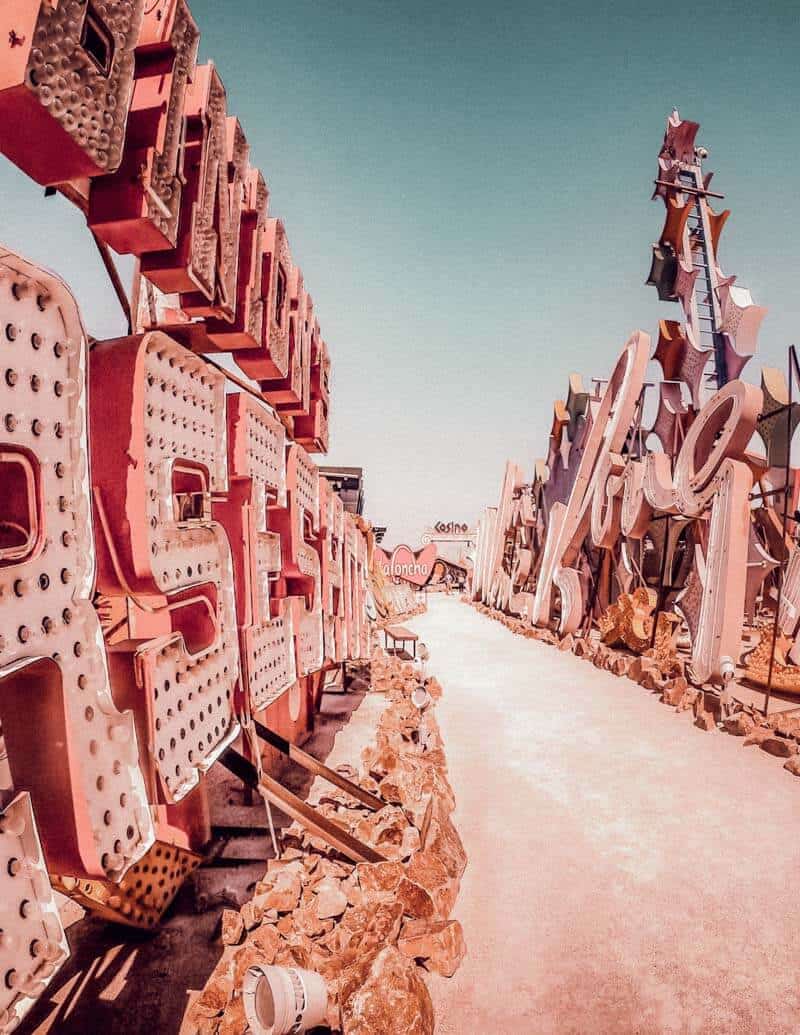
727, 669
420, 698
283, 1000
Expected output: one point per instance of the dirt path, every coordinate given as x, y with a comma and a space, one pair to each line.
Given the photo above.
628, 872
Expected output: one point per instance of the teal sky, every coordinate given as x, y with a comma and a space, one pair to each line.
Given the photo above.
467, 189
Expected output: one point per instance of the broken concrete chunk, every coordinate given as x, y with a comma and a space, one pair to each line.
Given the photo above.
387, 996
266, 939
439, 944
674, 691
786, 725
757, 735
284, 894
704, 720
740, 725
331, 901
234, 1021
251, 914
415, 900
426, 869
778, 746
213, 999
793, 765
383, 876
232, 927
443, 840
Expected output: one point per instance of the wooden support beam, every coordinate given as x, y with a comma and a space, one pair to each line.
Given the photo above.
313, 765
297, 809
337, 837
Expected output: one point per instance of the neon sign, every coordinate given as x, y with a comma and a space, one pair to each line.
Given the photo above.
404, 565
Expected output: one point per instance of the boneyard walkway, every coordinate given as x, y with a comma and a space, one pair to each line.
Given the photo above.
627, 872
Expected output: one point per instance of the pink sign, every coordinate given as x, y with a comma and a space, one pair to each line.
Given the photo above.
407, 566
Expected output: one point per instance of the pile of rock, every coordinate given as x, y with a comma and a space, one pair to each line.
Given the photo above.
663, 674
369, 929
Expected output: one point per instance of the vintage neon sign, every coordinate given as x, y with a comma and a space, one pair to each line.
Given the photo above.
450, 528
405, 565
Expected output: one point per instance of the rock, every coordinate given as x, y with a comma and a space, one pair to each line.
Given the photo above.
419, 780
410, 842
251, 914
285, 865
426, 869
674, 691
232, 927
284, 894
213, 999
383, 829
310, 862
704, 717
793, 765
383, 876
443, 840
306, 921
757, 735
293, 954
567, 642
638, 666
331, 900
249, 955
778, 746
740, 725
374, 926
583, 648
284, 925
434, 687
355, 896
234, 1021
600, 657
266, 939
379, 760
386, 996
786, 725
415, 900
651, 679
440, 944
338, 870
390, 789
705, 721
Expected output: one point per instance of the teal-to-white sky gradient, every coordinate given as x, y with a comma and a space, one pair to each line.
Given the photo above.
467, 188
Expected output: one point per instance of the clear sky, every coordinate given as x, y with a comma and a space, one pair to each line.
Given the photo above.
467, 188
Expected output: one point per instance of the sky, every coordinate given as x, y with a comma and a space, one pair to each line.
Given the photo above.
467, 190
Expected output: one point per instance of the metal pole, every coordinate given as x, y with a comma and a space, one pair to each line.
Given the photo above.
784, 524
586, 625
116, 283
661, 574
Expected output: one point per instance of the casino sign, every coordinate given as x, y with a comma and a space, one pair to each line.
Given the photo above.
450, 528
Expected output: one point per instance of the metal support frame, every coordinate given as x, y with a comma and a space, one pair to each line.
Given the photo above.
116, 281
297, 809
313, 765
794, 372
661, 573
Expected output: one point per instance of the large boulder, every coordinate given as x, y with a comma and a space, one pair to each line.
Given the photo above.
439, 944
386, 995
779, 746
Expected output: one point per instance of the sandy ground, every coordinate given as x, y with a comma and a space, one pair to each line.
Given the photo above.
627, 872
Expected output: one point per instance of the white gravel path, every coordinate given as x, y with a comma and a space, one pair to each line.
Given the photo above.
628, 872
